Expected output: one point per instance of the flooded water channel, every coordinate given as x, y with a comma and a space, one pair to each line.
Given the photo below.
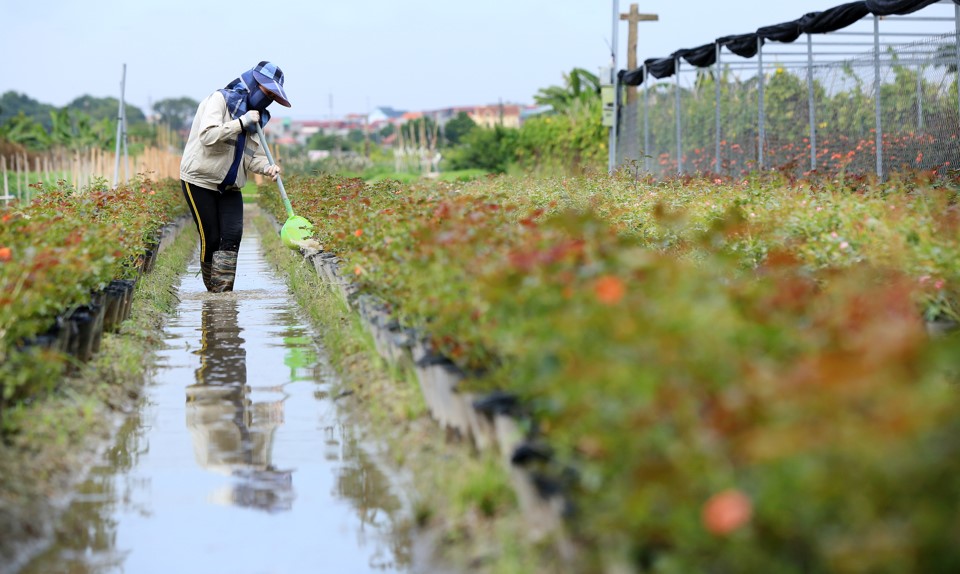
239, 459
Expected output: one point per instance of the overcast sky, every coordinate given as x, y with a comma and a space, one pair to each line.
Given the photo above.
409, 54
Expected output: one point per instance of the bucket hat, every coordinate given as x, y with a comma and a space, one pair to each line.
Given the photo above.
271, 78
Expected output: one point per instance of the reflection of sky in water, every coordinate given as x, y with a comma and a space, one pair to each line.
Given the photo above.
238, 462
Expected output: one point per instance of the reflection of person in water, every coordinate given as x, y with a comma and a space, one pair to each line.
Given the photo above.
231, 434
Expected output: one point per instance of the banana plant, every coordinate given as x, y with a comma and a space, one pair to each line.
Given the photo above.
61, 130
24, 131
579, 84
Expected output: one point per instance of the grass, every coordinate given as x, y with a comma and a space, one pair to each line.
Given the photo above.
54, 439
249, 192
393, 176
343, 334
460, 498
381, 173
463, 175
35, 176
32, 177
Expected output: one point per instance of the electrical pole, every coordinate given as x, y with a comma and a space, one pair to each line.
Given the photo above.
121, 130
366, 131
614, 81
633, 17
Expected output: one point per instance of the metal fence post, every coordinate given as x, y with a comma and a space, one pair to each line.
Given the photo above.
876, 94
920, 98
812, 104
6, 190
120, 129
612, 159
676, 68
956, 19
760, 111
716, 80
646, 117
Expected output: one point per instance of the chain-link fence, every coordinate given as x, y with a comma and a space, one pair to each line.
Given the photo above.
824, 103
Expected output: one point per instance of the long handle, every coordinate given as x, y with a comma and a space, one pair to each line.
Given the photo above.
283, 192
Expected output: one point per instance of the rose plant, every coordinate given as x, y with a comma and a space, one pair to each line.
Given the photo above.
739, 372
835, 154
58, 250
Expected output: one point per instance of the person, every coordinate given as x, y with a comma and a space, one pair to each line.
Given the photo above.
221, 148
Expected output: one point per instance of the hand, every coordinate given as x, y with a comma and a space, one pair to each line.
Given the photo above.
273, 172
250, 120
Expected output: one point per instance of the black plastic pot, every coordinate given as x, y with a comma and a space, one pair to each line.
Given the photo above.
85, 319
45, 341
97, 297
113, 302
129, 286
73, 332
99, 308
149, 257
153, 249
63, 333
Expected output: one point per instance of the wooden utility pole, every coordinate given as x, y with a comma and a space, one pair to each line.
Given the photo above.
634, 17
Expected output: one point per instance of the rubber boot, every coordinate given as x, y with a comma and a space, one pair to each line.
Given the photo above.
224, 271
205, 270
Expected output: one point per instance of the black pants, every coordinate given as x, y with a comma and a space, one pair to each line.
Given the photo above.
219, 218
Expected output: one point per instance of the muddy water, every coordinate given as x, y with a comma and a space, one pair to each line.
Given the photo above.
239, 459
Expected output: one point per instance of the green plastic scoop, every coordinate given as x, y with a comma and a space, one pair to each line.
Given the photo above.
296, 229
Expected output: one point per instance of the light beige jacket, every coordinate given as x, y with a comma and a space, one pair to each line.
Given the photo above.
210, 147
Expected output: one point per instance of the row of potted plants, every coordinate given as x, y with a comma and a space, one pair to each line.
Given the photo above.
69, 262
907, 223
834, 153
737, 374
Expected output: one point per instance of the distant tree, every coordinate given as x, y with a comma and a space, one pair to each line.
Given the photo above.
77, 130
355, 138
484, 148
455, 129
106, 109
12, 104
90, 133
324, 141
61, 129
387, 130
23, 130
176, 112
85, 122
